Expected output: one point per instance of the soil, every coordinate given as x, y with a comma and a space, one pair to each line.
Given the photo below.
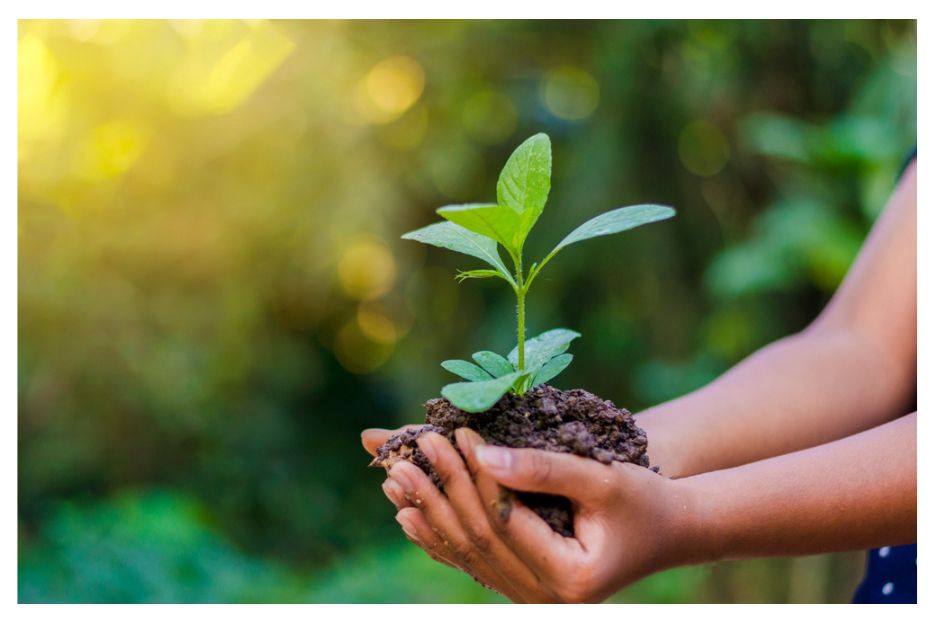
545, 418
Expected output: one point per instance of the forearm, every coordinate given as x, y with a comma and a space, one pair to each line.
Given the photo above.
854, 368
853, 493
799, 392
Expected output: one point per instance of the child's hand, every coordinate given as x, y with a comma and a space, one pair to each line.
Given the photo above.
628, 521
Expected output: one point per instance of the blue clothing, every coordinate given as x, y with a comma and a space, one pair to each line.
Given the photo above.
891, 576
891, 572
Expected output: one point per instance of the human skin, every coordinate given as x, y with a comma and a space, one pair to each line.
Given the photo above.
798, 449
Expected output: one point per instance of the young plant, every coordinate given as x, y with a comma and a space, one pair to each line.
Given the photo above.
478, 229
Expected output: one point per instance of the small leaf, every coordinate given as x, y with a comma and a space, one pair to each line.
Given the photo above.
525, 182
552, 369
454, 237
615, 221
465, 370
487, 219
478, 396
497, 365
480, 273
541, 348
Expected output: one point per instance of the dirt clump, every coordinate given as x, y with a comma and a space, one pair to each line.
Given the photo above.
545, 418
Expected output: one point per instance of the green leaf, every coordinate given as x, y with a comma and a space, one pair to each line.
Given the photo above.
526, 178
451, 236
521, 192
480, 273
466, 370
525, 181
488, 219
542, 348
497, 365
478, 396
552, 369
615, 221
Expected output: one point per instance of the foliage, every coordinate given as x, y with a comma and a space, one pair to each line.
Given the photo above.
521, 193
156, 547
213, 299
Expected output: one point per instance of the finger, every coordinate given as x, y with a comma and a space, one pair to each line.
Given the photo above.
540, 471
547, 554
417, 530
443, 522
463, 497
373, 438
395, 494
420, 491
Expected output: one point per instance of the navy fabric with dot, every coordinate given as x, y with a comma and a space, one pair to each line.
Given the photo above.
891, 572
891, 576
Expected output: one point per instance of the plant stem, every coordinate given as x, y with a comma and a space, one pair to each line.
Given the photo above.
520, 300
521, 333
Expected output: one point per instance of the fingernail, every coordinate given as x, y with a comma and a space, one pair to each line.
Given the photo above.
397, 473
463, 440
393, 492
427, 445
494, 458
367, 431
407, 527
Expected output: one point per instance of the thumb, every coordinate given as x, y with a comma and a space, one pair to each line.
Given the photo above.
541, 471
373, 438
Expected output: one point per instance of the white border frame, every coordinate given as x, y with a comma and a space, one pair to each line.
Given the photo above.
371, 9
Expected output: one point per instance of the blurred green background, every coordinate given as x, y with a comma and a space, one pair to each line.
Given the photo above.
214, 300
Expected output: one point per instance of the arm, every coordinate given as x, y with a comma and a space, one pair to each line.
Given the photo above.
854, 493
630, 522
851, 369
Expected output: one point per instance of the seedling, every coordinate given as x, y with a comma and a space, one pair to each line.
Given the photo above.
478, 229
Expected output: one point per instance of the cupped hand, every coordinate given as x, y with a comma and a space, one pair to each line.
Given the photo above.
416, 498
628, 521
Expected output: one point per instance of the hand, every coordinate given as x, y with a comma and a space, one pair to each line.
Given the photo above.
372, 439
628, 521
411, 488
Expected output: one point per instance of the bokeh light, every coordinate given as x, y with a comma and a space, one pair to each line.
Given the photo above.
376, 324
389, 89
224, 63
112, 148
703, 148
570, 93
490, 116
357, 351
367, 269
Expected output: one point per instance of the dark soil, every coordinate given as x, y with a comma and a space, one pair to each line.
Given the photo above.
574, 422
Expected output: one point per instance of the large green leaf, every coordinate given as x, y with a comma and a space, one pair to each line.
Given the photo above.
475, 397
521, 192
495, 364
539, 349
466, 370
488, 219
454, 237
552, 369
526, 178
525, 181
615, 221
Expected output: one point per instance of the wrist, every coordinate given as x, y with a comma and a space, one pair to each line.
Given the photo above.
688, 532
661, 449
